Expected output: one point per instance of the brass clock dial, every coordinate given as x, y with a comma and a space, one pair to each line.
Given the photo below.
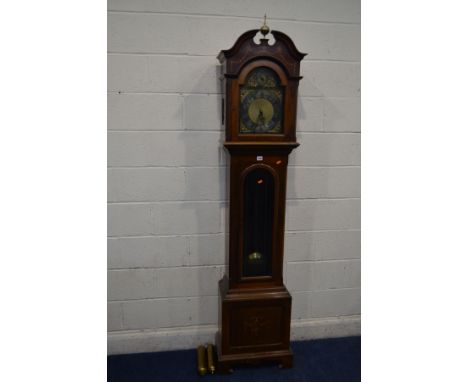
261, 110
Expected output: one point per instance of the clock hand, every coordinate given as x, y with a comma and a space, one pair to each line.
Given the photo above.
260, 118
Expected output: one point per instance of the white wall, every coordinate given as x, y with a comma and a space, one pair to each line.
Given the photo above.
166, 186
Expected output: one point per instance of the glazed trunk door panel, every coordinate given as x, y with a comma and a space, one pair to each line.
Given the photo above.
258, 216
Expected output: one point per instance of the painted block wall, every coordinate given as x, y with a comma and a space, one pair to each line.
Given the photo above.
166, 176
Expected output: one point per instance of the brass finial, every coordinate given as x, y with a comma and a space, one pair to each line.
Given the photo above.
264, 29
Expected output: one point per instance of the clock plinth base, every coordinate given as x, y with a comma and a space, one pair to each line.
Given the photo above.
225, 364
255, 326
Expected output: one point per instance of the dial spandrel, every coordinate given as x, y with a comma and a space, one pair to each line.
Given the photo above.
261, 99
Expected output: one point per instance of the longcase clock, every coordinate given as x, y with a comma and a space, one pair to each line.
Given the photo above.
261, 82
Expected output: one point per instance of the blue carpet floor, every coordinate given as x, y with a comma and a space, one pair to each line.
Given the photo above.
330, 360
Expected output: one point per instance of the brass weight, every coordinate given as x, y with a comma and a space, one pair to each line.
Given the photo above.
210, 353
201, 360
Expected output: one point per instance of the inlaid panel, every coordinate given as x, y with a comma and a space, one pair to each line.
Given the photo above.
256, 326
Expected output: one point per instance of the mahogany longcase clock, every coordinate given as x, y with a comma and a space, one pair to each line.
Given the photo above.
261, 82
